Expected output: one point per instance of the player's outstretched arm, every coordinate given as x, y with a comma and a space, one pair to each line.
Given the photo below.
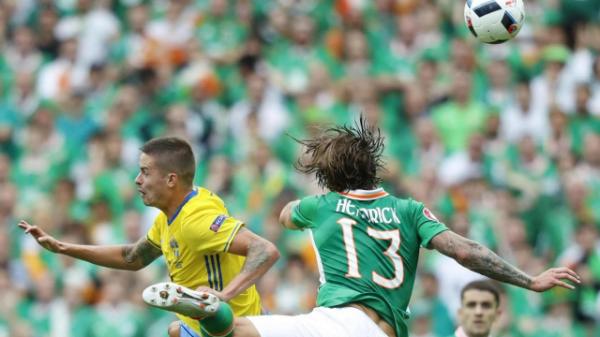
130, 257
481, 259
285, 217
260, 255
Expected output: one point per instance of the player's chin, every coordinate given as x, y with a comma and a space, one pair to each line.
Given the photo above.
480, 328
145, 199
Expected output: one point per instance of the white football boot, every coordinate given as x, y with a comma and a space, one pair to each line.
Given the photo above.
181, 300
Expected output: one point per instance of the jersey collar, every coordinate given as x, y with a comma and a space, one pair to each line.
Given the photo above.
187, 198
365, 194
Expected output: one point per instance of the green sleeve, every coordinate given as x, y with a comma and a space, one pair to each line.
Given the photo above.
426, 223
303, 214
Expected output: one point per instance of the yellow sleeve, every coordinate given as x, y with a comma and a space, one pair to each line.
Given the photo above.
210, 231
153, 235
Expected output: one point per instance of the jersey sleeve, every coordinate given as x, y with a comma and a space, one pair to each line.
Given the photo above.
303, 214
153, 235
426, 223
210, 230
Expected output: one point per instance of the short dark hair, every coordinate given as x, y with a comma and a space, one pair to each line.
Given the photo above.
172, 154
482, 285
344, 158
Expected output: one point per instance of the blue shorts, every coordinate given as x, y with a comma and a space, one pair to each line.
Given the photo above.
186, 331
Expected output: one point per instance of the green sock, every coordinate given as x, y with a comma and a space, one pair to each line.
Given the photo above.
220, 324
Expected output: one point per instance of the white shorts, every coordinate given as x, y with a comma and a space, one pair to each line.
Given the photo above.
321, 322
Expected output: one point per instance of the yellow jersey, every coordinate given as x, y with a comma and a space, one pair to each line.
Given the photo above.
195, 241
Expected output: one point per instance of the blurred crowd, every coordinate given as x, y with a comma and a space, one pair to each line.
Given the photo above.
502, 142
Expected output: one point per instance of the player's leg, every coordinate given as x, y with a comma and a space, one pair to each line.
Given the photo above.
307, 325
244, 328
321, 322
180, 329
219, 323
174, 328
216, 317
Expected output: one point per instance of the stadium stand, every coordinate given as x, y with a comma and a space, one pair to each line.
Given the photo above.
502, 142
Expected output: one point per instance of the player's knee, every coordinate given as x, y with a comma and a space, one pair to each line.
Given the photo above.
244, 328
174, 328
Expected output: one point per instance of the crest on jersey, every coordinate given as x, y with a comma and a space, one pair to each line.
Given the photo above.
219, 220
175, 247
427, 213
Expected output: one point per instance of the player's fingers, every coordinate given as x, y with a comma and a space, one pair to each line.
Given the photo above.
568, 276
565, 270
563, 284
34, 230
24, 225
571, 272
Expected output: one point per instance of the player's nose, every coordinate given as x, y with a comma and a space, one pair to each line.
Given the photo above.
138, 179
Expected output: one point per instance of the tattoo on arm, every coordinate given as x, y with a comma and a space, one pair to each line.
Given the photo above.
486, 262
256, 258
141, 253
481, 259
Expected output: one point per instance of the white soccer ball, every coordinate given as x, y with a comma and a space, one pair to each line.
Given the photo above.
494, 21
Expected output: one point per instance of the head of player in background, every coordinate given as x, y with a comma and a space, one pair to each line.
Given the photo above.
480, 307
344, 158
167, 168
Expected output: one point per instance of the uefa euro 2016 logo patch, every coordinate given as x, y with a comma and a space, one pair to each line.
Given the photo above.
218, 223
427, 213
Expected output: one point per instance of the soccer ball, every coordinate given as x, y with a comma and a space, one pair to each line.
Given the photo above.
494, 21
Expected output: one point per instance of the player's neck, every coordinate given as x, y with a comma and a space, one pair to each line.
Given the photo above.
177, 201
460, 332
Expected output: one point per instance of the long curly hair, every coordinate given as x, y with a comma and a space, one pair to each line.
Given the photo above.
344, 157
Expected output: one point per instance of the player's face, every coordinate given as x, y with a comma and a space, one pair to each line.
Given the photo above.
478, 312
151, 181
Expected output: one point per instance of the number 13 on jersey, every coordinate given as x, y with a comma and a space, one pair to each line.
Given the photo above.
393, 236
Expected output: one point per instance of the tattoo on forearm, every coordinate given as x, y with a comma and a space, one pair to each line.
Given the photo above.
141, 252
482, 260
256, 258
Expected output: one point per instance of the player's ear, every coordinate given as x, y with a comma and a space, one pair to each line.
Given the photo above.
498, 310
172, 179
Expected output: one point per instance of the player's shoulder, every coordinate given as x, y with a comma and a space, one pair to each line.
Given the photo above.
394, 199
310, 203
313, 199
321, 196
160, 219
207, 196
204, 201
203, 192
320, 200
406, 205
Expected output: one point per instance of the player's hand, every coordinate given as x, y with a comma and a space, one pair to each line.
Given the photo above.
45, 240
554, 277
203, 289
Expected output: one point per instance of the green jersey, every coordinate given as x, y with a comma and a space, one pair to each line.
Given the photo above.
367, 245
